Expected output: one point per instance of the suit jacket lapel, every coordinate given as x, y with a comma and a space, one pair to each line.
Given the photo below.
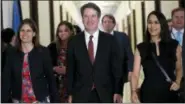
99, 48
84, 49
120, 42
32, 56
19, 64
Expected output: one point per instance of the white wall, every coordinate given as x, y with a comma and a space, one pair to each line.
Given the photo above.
73, 11
44, 22
121, 13
25, 9
168, 6
126, 25
149, 7
64, 13
56, 8
132, 32
139, 32
7, 8
124, 10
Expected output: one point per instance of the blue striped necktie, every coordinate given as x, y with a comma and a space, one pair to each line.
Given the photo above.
178, 37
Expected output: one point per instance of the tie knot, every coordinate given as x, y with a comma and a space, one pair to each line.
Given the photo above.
91, 37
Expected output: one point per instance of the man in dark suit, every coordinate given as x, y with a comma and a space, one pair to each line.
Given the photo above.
93, 63
108, 23
177, 33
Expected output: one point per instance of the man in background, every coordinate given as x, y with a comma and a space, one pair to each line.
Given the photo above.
177, 33
108, 23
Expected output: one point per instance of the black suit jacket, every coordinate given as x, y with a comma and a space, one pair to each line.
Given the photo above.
126, 53
106, 72
41, 75
53, 53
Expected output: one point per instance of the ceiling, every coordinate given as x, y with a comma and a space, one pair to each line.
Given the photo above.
105, 6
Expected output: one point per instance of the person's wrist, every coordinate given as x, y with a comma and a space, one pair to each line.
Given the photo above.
134, 90
177, 82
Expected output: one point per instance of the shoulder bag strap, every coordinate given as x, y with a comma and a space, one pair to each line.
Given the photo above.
168, 79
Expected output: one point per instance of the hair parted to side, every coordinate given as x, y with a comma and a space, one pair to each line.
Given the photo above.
176, 10
110, 16
90, 5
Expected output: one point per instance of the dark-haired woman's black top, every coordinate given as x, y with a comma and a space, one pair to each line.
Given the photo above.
155, 88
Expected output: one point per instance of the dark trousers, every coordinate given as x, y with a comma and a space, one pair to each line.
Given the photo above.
94, 98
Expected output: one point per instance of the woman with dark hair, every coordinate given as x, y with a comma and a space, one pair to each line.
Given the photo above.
58, 54
28, 75
159, 52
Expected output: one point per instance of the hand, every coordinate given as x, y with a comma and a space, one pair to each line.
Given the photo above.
57, 69
129, 76
60, 70
134, 97
117, 98
70, 99
174, 86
